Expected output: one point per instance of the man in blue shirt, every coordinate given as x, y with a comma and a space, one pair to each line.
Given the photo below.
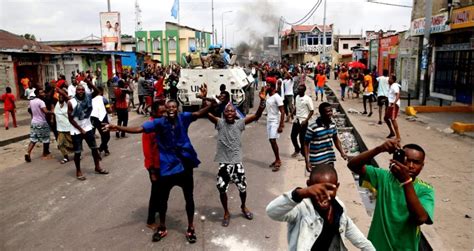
177, 158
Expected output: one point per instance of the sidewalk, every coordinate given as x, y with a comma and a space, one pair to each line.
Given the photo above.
23, 119
448, 167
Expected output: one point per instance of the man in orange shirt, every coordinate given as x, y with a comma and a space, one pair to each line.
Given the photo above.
25, 83
343, 80
368, 92
9, 106
320, 82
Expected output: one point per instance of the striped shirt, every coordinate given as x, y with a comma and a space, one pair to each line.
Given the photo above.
320, 140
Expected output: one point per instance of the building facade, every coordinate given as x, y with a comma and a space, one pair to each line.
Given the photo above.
450, 61
304, 43
170, 46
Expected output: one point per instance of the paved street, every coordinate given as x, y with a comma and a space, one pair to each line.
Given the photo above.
44, 207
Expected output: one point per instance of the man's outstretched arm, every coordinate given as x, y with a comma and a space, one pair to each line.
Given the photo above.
253, 117
357, 164
112, 128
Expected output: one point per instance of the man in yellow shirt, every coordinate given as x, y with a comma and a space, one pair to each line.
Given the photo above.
368, 92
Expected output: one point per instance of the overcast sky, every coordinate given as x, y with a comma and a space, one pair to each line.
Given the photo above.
76, 19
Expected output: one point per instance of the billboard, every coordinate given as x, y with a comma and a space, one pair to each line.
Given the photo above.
110, 28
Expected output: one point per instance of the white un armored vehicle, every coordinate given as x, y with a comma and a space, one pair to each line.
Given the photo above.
235, 80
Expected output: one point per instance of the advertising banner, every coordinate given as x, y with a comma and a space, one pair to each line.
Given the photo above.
439, 23
110, 28
462, 18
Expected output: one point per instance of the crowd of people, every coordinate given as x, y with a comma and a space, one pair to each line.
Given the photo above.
317, 219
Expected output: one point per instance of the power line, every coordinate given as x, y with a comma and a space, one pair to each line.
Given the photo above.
305, 17
390, 4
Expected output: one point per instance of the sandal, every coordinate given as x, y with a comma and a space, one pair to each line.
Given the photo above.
226, 221
81, 178
27, 158
64, 161
272, 164
191, 235
160, 234
248, 215
101, 171
276, 167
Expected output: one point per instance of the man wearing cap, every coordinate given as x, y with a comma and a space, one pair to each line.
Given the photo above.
194, 59
275, 118
217, 62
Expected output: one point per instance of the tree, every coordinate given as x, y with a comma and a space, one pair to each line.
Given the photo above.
29, 36
126, 36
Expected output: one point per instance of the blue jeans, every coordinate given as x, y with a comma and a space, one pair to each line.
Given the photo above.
343, 90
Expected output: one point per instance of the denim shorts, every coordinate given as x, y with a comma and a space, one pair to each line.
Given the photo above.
89, 137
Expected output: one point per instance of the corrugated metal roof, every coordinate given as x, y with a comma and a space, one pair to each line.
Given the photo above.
10, 41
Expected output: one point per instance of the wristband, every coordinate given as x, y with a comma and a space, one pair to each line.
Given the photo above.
406, 182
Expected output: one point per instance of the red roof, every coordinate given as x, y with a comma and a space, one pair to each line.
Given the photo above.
10, 41
303, 28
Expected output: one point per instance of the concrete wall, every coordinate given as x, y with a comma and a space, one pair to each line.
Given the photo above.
350, 43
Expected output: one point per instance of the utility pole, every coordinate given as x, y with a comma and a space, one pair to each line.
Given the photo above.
229, 11
323, 55
424, 75
112, 56
213, 30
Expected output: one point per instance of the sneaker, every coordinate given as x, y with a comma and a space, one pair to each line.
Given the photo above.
191, 235
159, 234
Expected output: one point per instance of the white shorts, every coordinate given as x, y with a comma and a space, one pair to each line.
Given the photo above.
272, 129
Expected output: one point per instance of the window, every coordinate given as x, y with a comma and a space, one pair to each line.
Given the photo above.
141, 45
156, 44
303, 39
313, 39
191, 42
328, 40
171, 44
345, 46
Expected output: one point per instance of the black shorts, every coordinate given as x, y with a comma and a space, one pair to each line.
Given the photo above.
234, 173
141, 99
77, 141
368, 97
382, 101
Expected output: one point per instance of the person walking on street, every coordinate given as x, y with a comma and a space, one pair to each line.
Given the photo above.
289, 101
320, 137
229, 154
320, 80
100, 115
343, 81
9, 107
79, 112
177, 159
393, 107
382, 93
368, 94
317, 219
404, 202
39, 129
142, 87
121, 106
303, 112
63, 127
275, 119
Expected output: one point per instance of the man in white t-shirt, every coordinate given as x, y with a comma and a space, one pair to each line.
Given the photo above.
303, 112
275, 119
79, 112
382, 93
288, 101
393, 107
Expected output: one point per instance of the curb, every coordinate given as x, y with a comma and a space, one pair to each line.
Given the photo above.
14, 140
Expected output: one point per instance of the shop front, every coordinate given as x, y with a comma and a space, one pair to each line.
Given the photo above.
388, 54
452, 77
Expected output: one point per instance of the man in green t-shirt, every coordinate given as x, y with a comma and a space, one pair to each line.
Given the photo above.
404, 202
